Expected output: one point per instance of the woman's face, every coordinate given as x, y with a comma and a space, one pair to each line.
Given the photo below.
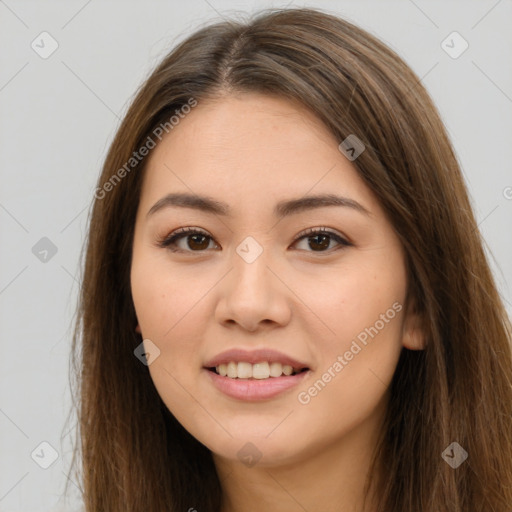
254, 279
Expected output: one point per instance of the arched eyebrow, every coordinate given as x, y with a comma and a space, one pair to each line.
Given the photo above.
282, 209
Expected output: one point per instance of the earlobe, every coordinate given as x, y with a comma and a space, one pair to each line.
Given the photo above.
413, 337
137, 329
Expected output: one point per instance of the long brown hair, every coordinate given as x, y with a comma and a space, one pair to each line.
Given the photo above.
135, 455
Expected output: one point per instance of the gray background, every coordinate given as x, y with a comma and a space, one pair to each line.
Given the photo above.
59, 114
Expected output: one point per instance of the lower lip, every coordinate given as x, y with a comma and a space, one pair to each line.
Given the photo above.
255, 389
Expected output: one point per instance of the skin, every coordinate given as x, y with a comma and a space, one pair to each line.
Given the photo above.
252, 151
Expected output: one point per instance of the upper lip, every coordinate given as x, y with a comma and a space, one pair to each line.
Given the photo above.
253, 357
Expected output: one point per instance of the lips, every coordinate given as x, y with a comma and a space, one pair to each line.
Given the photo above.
251, 390
254, 357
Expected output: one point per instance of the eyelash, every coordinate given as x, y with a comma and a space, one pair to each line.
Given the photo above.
169, 241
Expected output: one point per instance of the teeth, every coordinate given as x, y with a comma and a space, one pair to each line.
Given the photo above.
263, 370
244, 370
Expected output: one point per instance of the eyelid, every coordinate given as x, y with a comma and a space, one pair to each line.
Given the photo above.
322, 229
166, 241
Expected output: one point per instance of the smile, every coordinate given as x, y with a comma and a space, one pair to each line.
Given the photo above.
262, 370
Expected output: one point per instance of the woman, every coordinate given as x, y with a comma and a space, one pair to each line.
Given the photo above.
286, 305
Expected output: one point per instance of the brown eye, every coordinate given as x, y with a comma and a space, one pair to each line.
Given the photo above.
196, 240
320, 239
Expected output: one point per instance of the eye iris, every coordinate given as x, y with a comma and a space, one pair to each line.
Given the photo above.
321, 244
195, 237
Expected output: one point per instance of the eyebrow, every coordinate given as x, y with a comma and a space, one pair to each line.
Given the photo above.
282, 209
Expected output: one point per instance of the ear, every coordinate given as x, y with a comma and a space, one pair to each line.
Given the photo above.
137, 329
413, 337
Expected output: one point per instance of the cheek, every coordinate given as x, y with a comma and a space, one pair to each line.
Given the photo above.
364, 312
170, 308
162, 297
366, 290
166, 308
355, 372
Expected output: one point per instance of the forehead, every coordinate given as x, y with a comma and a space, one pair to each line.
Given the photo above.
251, 147
248, 123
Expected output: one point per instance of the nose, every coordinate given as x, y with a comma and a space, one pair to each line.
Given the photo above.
253, 295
